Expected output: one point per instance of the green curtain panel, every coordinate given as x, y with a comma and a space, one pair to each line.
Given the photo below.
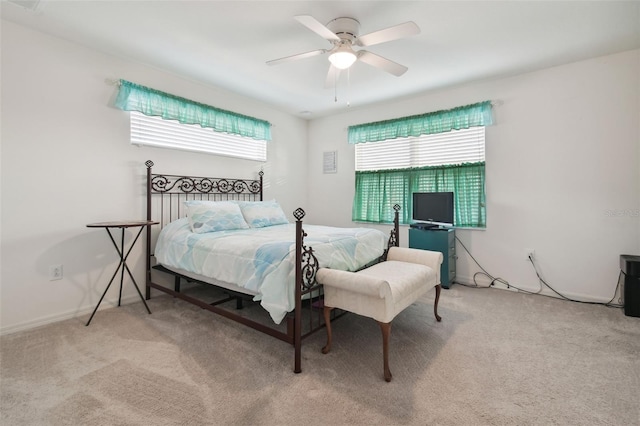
378, 191
463, 117
133, 97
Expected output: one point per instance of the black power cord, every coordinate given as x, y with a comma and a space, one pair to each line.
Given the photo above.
541, 281
562, 296
484, 272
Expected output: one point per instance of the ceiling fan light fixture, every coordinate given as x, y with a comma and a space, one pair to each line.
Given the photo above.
343, 57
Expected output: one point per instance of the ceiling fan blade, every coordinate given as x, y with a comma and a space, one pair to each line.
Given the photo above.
332, 77
382, 63
388, 34
296, 57
315, 26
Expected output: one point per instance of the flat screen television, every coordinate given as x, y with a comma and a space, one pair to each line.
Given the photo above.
432, 209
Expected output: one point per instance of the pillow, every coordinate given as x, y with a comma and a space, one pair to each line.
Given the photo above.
259, 214
213, 216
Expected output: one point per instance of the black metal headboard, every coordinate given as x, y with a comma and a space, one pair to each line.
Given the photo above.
166, 193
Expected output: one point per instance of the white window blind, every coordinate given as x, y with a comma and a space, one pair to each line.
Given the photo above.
454, 147
155, 131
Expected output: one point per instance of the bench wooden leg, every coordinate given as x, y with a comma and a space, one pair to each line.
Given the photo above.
435, 304
327, 322
386, 331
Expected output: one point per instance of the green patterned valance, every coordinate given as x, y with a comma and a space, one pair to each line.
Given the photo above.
433, 122
133, 97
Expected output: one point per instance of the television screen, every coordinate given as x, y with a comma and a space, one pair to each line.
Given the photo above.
433, 207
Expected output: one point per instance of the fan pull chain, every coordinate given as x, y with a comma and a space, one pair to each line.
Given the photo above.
348, 87
335, 85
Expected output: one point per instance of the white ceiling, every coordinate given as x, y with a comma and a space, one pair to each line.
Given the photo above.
226, 43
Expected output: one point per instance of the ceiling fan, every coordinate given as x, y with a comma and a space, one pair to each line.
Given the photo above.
343, 34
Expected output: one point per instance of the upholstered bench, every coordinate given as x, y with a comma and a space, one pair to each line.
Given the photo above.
382, 291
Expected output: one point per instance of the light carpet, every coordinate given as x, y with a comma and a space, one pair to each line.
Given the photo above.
497, 358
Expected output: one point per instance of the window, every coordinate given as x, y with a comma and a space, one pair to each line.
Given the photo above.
454, 147
450, 158
158, 132
169, 121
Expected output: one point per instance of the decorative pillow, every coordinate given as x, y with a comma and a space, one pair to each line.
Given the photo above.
212, 216
259, 214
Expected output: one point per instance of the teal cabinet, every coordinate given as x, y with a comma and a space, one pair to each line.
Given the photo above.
442, 240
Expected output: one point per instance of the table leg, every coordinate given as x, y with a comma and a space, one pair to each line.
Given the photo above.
120, 251
137, 288
122, 261
103, 294
123, 265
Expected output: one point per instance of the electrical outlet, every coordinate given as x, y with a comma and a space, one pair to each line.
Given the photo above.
55, 272
529, 254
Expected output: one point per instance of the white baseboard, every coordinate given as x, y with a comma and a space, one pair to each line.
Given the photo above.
545, 291
135, 298
106, 304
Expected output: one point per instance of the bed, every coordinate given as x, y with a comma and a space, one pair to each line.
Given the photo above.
264, 258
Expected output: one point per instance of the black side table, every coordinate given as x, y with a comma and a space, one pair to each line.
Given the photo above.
123, 257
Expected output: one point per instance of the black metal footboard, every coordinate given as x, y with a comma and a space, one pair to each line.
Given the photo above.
165, 196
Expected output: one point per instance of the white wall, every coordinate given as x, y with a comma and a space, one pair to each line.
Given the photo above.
66, 162
565, 151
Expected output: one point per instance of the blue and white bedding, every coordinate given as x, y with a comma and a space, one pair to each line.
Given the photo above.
262, 260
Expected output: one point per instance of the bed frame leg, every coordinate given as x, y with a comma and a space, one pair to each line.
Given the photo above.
239, 303
299, 282
297, 368
176, 284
